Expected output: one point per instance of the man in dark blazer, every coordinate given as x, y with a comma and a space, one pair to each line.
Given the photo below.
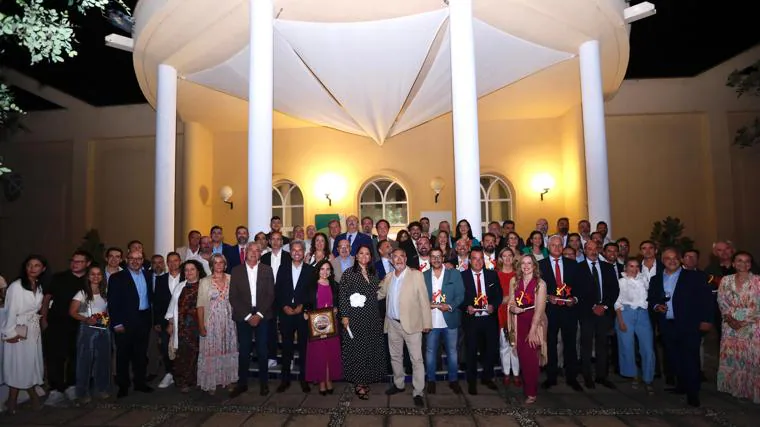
252, 297
682, 305
130, 296
560, 274
162, 297
353, 235
275, 258
610, 256
235, 255
481, 321
293, 281
410, 245
598, 283
383, 265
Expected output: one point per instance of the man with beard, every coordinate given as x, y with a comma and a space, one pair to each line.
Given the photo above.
235, 255
489, 251
423, 248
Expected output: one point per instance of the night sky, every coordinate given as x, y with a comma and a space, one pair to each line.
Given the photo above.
684, 38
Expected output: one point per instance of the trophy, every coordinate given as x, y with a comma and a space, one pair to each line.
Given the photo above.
438, 298
525, 301
564, 295
481, 303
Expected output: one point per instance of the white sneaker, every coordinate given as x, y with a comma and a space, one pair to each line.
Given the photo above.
166, 381
71, 393
55, 398
272, 363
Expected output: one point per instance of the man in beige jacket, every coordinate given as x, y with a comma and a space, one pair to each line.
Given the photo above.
407, 317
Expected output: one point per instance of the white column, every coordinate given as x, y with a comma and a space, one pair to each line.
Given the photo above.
464, 101
166, 158
594, 135
260, 93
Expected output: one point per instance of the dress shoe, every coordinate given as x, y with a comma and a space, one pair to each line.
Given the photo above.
675, 390
693, 401
284, 385
330, 391
588, 383
546, 385
323, 392
455, 387
305, 387
670, 380
431, 387
393, 390
490, 384
575, 385
606, 383
418, 401
505, 381
472, 387
517, 382
237, 391
123, 392
264, 390
143, 388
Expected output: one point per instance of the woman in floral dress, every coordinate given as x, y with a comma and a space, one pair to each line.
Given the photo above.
739, 301
218, 357
183, 326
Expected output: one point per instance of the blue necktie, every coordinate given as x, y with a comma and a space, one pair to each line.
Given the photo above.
350, 240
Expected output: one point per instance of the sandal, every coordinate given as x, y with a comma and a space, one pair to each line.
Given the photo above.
362, 392
530, 400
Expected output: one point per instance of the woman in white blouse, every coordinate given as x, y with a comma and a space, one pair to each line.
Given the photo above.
633, 320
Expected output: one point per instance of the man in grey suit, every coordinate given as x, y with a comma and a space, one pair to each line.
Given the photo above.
446, 291
252, 297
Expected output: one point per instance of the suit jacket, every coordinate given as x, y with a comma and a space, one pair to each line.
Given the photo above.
692, 301
491, 285
240, 292
412, 257
288, 295
453, 289
360, 239
413, 302
380, 269
610, 288
336, 267
123, 300
232, 255
284, 259
162, 296
570, 271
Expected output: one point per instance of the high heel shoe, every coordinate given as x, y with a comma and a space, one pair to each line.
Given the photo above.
323, 392
330, 391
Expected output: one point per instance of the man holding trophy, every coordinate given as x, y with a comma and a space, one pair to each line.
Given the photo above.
482, 296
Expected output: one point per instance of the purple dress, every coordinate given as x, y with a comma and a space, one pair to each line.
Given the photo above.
324, 354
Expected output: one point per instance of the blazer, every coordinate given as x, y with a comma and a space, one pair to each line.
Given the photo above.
123, 300
692, 300
570, 269
284, 258
412, 257
162, 296
380, 269
360, 239
610, 288
492, 286
232, 255
240, 292
311, 295
453, 289
413, 302
285, 293
336, 267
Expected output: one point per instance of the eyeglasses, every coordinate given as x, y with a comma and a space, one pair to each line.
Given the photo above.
436, 257
135, 259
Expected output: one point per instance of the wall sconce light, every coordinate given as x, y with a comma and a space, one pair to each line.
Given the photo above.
437, 184
542, 183
331, 186
226, 194
329, 200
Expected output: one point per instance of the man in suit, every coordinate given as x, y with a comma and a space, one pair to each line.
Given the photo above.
481, 323
235, 255
354, 237
610, 256
343, 261
367, 225
129, 305
446, 295
683, 307
560, 274
599, 285
166, 284
252, 297
217, 240
384, 265
410, 245
293, 281
275, 258
407, 318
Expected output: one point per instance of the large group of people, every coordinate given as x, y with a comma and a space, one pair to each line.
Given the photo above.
357, 305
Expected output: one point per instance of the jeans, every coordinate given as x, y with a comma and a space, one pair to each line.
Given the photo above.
94, 360
449, 337
637, 323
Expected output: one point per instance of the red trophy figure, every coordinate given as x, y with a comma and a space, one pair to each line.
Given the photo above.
563, 294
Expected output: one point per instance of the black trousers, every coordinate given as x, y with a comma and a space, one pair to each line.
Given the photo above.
245, 335
131, 349
562, 320
682, 353
481, 336
289, 327
60, 342
272, 337
164, 349
594, 334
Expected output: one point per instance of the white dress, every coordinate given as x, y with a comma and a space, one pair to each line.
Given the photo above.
22, 361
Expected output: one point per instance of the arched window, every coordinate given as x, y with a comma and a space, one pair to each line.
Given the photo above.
384, 198
495, 200
287, 203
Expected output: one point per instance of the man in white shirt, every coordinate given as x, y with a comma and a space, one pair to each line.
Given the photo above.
193, 246
489, 251
166, 285
274, 259
423, 249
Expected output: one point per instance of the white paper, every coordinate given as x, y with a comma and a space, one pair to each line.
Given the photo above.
350, 334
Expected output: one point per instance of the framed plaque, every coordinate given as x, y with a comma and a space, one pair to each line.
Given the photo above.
322, 324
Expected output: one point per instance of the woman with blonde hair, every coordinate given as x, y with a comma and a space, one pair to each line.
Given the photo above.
527, 322
510, 364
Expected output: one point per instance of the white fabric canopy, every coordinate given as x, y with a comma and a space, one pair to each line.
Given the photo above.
377, 78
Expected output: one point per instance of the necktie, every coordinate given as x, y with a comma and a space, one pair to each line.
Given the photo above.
557, 273
480, 289
242, 255
595, 273
350, 240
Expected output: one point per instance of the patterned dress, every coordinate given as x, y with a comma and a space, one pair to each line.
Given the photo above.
218, 357
364, 359
739, 370
186, 362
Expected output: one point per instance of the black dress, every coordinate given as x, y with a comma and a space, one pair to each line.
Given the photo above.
364, 354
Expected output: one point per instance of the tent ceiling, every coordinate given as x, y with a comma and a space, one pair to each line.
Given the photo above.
377, 78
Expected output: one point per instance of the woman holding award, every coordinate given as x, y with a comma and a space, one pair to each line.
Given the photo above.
90, 308
323, 364
528, 320
510, 364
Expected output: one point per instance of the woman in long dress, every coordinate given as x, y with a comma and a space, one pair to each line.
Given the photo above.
739, 301
364, 360
22, 344
218, 357
183, 326
324, 364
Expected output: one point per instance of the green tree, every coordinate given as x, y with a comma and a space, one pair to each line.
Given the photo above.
747, 81
669, 233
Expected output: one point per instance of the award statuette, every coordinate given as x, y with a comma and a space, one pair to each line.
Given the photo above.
322, 324
439, 297
525, 301
481, 303
563, 294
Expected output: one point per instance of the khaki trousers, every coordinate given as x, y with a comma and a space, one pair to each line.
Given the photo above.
397, 337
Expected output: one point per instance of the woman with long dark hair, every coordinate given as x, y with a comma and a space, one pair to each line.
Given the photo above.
319, 250
324, 363
465, 230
